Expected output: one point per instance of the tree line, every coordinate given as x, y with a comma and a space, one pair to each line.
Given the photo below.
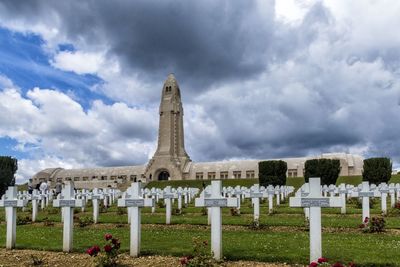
273, 172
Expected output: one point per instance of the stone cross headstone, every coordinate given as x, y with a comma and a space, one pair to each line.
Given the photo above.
11, 202
365, 193
342, 194
255, 195
67, 203
278, 195
134, 201
271, 193
315, 202
96, 196
384, 190
36, 196
215, 202
392, 192
167, 195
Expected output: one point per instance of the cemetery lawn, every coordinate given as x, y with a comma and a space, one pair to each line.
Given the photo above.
242, 244
282, 238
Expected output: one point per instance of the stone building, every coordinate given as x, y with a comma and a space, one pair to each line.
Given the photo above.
171, 162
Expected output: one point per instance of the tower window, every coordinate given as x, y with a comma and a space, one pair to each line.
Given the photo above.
168, 89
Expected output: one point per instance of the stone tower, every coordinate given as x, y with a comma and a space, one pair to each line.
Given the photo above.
170, 159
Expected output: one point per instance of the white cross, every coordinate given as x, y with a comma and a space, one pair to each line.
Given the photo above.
95, 197
342, 192
392, 192
215, 202
365, 193
167, 196
278, 196
134, 202
315, 201
384, 190
36, 196
179, 195
11, 202
271, 193
67, 203
255, 194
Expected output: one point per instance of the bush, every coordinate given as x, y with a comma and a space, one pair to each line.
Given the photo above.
327, 169
377, 170
374, 225
111, 251
201, 255
8, 167
235, 212
85, 221
272, 172
177, 212
22, 220
47, 222
121, 211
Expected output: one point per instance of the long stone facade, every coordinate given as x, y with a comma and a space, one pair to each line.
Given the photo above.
171, 162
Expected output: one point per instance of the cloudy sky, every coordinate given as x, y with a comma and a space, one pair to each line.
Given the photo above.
80, 81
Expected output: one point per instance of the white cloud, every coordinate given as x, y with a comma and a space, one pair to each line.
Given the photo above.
57, 131
78, 61
329, 82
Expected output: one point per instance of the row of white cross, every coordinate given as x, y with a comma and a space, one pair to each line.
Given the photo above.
310, 196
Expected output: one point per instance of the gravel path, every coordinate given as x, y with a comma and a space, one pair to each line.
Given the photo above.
11, 258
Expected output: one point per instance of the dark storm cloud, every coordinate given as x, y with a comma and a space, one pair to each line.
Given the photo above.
253, 86
204, 41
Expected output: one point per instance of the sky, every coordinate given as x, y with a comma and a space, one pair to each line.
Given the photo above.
80, 81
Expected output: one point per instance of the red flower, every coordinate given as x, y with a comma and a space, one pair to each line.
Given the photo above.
116, 243
366, 220
108, 236
89, 251
184, 261
322, 260
107, 248
313, 264
93, 251
338, 264
352, 264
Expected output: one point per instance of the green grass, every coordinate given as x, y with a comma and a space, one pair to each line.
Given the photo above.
354, 180
395, 178
291, 247
284, 238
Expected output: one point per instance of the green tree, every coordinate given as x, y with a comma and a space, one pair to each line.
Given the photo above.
377, 170
327, 169
8, 168
272, 172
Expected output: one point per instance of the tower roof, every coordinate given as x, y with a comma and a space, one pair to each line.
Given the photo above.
171, 80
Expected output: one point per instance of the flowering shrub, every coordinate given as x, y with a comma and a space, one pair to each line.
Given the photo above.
201, 255
375, 225
111, 251
324, 262
235, 212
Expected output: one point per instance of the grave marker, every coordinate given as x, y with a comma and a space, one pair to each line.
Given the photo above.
67, 203
215, 202
134, 201
314, 201
11, 202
